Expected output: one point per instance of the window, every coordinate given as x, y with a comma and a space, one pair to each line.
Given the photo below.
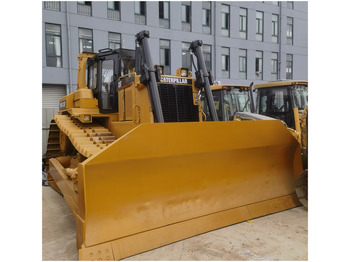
243, 63
186, 16
52, 5
290, 4
289, 30
53, 45
164, 14
206, 17
289, 66
85, 40
207, 56
225, 20
259, 25
165, 55
275, 3
186, 56
225, 62
243, 23
140, 12
84, 8
274, 28
259, 65
114, 40
274, 66
113, 10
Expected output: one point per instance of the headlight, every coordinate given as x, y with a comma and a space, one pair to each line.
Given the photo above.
184, 72
87, 118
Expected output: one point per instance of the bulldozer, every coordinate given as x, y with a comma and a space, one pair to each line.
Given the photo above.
228, 99
140, 168
288, 101
233, 103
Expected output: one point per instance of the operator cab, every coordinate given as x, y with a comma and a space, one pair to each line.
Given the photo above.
104, 69
277, 100
228, 99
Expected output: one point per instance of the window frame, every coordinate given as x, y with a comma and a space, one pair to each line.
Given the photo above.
167, 55
48, 4
185, 54
242, 63
60, 42
113, 41
163, 21
259, 26
225, 60
206, 17
140, 14
114, 2
290, 30
83, 38
259, 61
225, 20
84, 8
243, 23
186, 16
207, 54
275, 28
289, 65
274, 66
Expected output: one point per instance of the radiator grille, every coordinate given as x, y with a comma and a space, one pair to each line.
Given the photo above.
177, 103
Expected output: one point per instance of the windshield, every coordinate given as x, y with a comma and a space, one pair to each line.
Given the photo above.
276, 102
227, 103
241, 99
300, 94
93, 76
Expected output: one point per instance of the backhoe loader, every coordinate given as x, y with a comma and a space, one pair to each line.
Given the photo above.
288, 101
139, 168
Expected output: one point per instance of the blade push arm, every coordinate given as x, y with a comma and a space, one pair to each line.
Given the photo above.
144, 66
204, 78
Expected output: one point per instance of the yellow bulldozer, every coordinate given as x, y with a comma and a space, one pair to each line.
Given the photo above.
233, 102
140, 168
288, 101
228, 99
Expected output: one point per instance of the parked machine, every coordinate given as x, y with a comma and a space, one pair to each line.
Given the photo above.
139, 168
233, 102
228, 100
288, 101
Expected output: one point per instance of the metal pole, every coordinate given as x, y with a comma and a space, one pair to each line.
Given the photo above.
69, 51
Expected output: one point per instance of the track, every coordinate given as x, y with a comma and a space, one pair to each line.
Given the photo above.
87, 140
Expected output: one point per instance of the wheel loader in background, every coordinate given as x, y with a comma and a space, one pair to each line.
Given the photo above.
139, 168
288, 101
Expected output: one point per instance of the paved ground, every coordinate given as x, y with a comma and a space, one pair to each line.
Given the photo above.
280, 236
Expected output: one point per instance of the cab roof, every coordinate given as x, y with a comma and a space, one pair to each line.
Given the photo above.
281, 83
227, 87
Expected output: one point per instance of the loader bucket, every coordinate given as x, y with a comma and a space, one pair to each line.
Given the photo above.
164, 182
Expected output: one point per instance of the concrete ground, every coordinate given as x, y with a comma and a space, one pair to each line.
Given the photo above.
280, 236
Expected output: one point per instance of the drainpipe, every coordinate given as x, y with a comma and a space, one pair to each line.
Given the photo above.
214, 50
69, 89
279, 43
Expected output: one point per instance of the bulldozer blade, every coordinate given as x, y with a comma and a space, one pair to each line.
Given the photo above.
164, 182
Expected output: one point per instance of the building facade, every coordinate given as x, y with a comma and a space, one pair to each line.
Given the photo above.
244, 42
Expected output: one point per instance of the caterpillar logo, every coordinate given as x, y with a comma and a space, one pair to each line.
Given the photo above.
174, 80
